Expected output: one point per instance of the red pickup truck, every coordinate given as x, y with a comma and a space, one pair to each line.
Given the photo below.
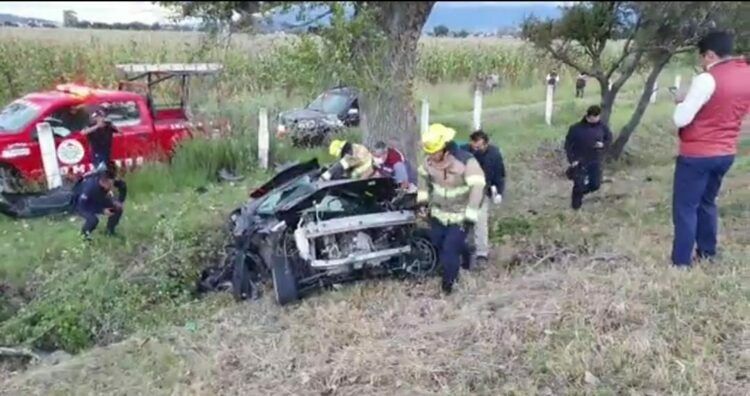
146, 132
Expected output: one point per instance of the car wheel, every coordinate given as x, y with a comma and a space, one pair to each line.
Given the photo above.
9, 182
284, 282
242, 283
423, 260
321, 138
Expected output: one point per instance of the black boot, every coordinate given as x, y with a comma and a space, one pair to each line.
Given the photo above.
447, 287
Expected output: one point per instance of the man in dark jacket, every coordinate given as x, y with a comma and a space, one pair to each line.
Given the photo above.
96, 198
580, 85
585, 145
100, 138
491, 162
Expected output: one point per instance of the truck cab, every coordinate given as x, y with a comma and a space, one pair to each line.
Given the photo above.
145, 131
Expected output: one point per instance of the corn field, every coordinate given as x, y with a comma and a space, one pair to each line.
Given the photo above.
252, 64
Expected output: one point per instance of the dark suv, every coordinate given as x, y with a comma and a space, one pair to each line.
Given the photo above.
329, 113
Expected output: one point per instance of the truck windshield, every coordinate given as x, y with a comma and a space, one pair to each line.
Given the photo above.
329, 103
17, 115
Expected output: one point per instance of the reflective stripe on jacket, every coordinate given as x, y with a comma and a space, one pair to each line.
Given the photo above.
359, 163
454, 187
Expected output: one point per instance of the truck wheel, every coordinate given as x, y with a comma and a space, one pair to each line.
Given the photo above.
284, 282
9, 181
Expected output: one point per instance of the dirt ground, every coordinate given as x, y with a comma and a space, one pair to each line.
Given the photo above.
574, 303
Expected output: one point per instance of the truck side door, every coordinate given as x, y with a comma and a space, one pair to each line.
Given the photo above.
73, 152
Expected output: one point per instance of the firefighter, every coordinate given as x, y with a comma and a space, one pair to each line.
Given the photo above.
355, 162
452, 183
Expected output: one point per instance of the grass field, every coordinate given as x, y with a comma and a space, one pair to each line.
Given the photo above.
573, 303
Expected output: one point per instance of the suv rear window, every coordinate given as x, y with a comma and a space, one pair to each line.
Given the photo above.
16, 116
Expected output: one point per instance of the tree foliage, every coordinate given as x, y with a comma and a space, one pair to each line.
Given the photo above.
651, 33
372, 45
441, 31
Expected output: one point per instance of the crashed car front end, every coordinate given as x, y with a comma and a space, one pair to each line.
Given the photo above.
324, 233
308, 130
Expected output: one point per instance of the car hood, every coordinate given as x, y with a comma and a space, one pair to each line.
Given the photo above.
374, 189
285, 176
302, 114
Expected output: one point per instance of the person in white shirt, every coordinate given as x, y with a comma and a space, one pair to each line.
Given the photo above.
708, 119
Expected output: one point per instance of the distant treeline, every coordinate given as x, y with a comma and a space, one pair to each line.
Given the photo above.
129, 26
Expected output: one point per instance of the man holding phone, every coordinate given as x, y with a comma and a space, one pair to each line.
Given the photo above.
708, 119
585, 145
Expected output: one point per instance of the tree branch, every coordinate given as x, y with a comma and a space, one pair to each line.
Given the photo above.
561, 55
626, 49
310, 22
627, 71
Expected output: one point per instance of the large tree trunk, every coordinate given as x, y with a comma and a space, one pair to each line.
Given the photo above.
388, 103
618, 147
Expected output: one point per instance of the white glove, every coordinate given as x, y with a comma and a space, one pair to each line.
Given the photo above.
497, 199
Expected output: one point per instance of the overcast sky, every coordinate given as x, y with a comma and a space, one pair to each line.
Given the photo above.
139, 11
96, 11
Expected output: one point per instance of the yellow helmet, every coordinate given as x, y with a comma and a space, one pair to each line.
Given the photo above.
436, 137
336, 146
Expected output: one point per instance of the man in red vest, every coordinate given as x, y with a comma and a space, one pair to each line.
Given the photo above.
708, 118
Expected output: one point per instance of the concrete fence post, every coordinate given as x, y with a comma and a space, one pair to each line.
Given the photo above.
263, 138
49, 155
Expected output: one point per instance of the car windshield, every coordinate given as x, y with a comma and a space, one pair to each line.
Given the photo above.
16, 116
299, 188
329, 103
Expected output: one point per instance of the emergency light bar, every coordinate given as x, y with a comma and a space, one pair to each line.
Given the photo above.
75, 90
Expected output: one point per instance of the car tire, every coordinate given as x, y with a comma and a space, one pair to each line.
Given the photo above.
421, 240
9, 180
284, 282
320, 139
242, 285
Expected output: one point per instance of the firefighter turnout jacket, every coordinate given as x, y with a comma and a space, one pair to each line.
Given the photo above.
453, 187
356, 162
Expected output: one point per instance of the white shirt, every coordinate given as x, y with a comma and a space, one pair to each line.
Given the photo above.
700, 92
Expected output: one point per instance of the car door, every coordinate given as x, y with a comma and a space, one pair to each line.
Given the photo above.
133, 143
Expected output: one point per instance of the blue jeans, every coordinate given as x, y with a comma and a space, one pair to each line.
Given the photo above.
591, 171
91, 220
100, 160
696, 184
450, 242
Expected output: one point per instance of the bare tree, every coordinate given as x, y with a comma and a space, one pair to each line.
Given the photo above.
652, 34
